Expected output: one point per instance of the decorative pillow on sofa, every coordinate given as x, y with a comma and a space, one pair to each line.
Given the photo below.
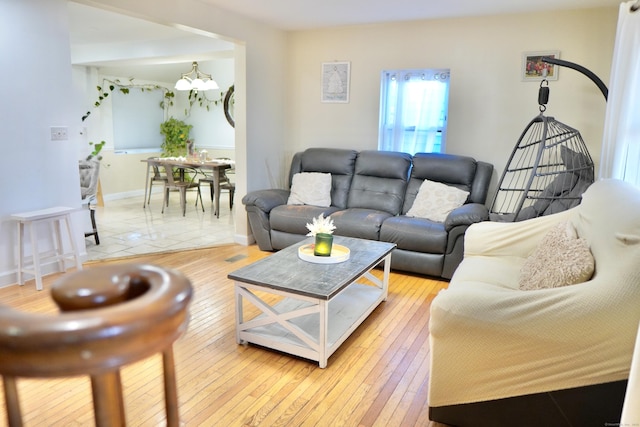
561, 259
435, 200
310, 188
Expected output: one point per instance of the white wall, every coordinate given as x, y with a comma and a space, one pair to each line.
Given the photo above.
489, 105
35, 66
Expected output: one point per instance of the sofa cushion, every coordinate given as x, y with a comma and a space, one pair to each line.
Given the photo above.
415, 234
560, 259
359, 223
578, 163
294, 218
340, 163
380, 181
435, 200
310, 188
449, 169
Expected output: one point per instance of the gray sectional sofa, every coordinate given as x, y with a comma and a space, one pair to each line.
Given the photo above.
371, 193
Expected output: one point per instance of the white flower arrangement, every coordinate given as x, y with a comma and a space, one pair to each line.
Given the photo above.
321, 225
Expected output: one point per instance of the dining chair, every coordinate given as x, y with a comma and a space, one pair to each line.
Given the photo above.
89, 175
181, 185
157, 176
225, 183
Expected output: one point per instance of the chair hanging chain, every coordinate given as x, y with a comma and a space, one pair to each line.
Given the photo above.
543, 95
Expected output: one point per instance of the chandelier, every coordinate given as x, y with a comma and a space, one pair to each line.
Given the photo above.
196, 80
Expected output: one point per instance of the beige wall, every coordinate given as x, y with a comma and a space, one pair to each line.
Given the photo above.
489, 104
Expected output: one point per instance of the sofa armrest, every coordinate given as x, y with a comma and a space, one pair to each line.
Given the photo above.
552, 338
265, 200
466, 215
490, 238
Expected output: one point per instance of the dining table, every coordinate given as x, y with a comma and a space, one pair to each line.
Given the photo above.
216, 166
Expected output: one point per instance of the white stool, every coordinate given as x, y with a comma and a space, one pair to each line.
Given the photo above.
53, 216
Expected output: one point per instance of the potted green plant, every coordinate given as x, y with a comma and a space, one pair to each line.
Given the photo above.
176, 134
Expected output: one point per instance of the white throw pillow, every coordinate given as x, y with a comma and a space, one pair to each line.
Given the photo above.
561, 259
310, 188
435, 200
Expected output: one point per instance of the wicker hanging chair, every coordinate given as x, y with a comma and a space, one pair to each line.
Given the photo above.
549, 169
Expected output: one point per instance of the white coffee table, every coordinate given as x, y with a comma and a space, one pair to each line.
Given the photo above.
323, 303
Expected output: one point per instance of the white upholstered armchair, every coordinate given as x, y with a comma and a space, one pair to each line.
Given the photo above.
501, 355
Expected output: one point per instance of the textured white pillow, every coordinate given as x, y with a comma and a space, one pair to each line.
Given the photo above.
561, 259
435, 200
310, 188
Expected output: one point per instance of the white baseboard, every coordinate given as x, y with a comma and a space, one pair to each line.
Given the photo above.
244, 240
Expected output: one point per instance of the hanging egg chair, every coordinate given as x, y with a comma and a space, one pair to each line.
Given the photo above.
549, 169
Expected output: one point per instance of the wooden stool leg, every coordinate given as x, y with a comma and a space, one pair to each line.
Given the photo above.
35, 253
21, 252
74, 247
58, 244
14, 416
170, 388
108, 404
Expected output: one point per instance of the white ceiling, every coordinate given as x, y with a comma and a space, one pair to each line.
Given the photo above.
306, 14
124, 46
147, 50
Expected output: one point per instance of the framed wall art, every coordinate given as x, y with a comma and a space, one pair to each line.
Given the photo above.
534, 69
335, 81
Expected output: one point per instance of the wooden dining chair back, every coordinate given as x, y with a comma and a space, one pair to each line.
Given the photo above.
181, 185
109, 316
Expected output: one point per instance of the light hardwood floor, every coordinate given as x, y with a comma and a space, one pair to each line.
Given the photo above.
378, 377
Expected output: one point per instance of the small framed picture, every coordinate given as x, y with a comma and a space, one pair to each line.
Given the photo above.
535, 69
335, 81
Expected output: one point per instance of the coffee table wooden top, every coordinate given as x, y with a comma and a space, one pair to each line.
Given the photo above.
285, 271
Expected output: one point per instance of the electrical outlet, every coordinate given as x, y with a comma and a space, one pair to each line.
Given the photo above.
59, 133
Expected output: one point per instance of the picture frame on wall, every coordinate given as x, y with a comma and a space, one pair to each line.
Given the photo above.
534, 69
335, 81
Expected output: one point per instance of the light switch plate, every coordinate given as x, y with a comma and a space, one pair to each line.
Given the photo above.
59, 133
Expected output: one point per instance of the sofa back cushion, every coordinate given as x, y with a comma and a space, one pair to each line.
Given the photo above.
608, 220
449, 169
380, 181
340, 163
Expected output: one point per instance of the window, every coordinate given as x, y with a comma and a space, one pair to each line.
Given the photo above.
136, 120
413, 110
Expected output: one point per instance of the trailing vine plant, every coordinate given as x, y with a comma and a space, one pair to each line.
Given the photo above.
110, 86
202, 100
194, 97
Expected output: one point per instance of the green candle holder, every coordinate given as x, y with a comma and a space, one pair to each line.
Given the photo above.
324, 242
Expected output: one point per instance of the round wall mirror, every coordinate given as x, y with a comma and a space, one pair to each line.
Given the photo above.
228, 106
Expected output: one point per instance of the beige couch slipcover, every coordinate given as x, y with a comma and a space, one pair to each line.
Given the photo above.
490, 340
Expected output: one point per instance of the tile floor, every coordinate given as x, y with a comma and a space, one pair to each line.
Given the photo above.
126, 228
